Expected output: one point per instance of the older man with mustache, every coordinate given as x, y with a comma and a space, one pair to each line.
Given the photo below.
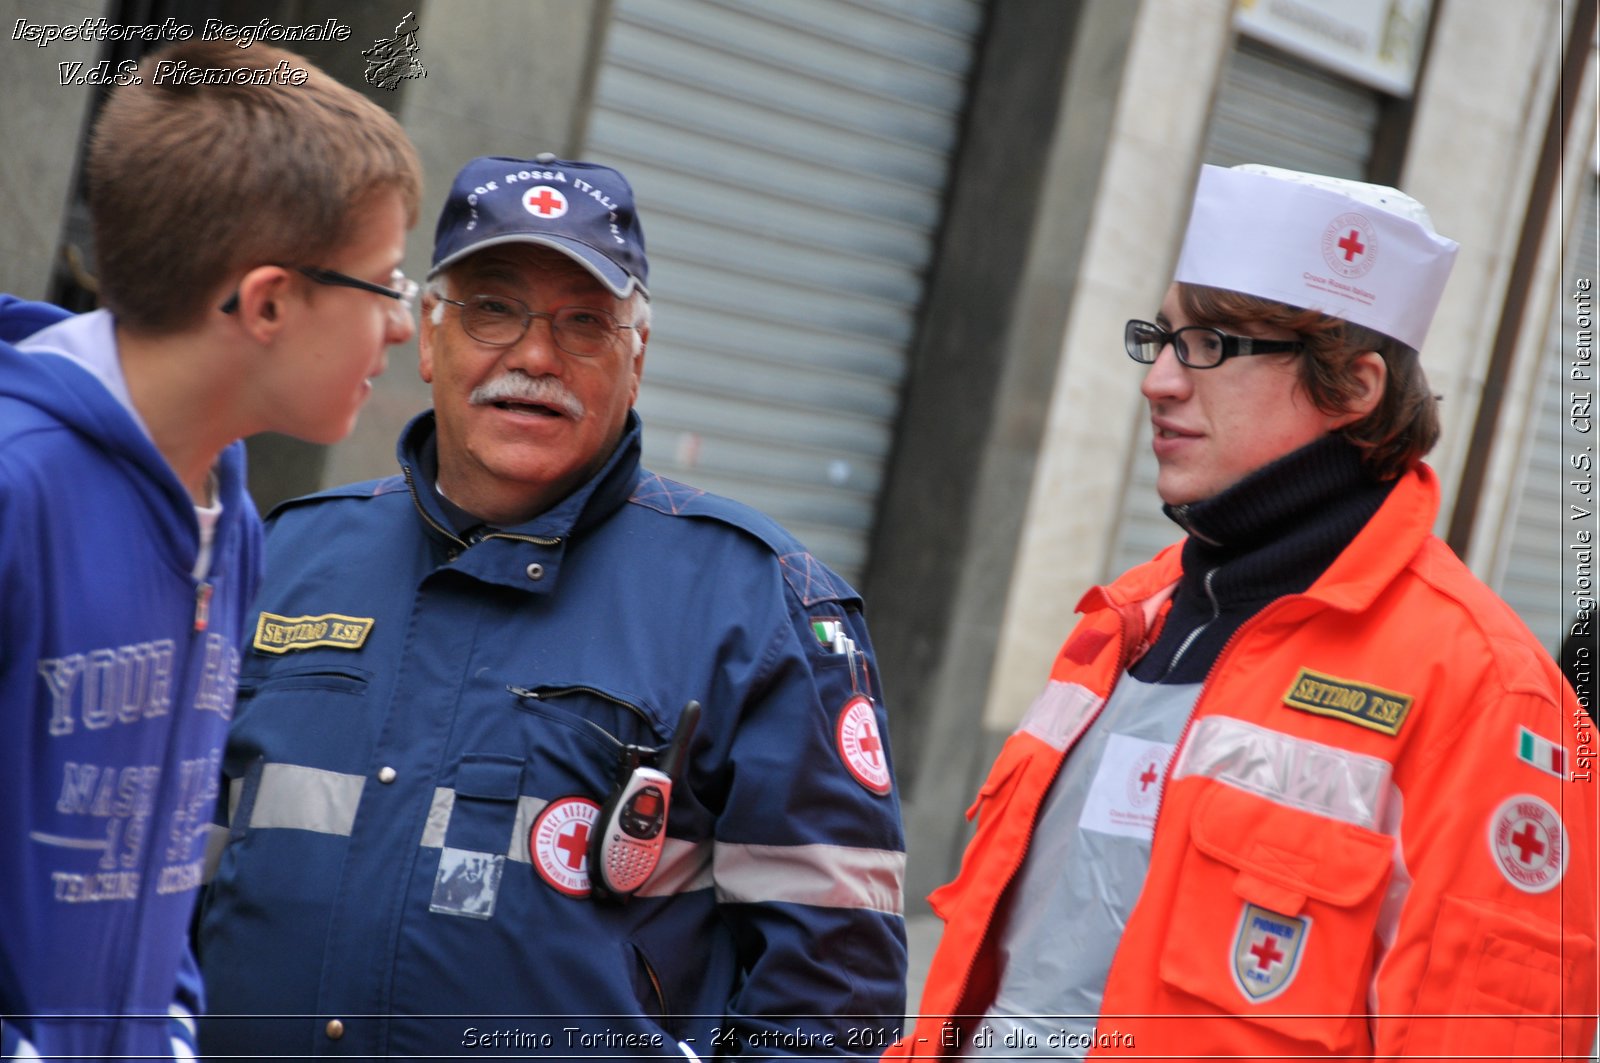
471, 807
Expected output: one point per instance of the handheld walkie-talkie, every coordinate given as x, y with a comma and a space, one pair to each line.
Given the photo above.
626, 847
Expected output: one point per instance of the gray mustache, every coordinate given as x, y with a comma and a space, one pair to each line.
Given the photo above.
520, 387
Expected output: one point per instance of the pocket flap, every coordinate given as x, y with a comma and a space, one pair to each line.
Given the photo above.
1012, 756
1285, 855
489, 777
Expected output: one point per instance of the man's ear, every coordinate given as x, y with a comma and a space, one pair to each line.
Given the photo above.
638, 364
262, 295
425, 329
1369, 374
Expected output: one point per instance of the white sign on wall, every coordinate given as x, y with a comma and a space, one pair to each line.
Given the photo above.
1376, 42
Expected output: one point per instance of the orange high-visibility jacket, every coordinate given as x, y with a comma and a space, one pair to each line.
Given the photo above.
1376, 836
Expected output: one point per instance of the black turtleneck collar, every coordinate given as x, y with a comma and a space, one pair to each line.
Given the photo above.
1269, 535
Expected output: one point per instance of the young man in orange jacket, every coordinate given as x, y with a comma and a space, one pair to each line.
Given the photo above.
1301, 785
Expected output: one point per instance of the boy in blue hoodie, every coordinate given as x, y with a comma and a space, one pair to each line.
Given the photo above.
249, 215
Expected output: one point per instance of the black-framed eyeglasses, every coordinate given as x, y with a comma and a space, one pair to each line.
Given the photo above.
1197, 346
501, 321
403, 288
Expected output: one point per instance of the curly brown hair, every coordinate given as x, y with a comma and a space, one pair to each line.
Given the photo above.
1404, 425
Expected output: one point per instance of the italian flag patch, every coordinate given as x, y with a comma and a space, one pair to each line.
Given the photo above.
1542, 753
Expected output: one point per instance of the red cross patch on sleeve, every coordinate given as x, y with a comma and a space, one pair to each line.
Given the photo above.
861, 746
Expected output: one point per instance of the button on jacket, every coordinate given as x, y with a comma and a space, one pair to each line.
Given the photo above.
427, 723
1376, 837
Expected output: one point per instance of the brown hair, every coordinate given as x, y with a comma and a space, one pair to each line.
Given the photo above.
192, 182
1404, 425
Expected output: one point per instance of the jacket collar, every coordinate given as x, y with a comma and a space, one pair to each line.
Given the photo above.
1384, 548
585, 507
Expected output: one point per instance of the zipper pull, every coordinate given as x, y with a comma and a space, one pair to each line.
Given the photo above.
202, 606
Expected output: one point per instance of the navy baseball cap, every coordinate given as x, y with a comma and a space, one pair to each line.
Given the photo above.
581, 209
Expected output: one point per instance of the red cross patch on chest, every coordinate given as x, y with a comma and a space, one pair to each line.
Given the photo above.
1266, 951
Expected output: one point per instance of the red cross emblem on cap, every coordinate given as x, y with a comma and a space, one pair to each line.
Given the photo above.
544, 201
1349, 245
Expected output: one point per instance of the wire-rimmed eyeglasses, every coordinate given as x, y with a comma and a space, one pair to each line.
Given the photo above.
1197, 346
402, 287
501, 321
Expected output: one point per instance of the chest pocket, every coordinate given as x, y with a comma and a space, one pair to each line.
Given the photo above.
575, 735
321, 703
486, 790
1275, 921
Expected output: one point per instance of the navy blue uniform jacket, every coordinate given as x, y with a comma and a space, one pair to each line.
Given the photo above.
427, 723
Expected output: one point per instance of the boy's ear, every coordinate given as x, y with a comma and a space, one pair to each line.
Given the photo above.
260, 301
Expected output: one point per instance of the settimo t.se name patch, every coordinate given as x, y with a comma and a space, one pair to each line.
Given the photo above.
280, 634
1344, 699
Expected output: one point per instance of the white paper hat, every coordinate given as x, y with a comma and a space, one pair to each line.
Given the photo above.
1361, 252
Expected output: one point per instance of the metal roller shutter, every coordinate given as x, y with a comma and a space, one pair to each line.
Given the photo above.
790, 161
1276, 110
1534, 573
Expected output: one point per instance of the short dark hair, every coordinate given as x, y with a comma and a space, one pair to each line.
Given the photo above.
192, 182
1405, 424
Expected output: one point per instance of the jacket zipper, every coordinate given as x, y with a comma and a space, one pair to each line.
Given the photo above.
537, 540
189, 689
1216, 611
551, 693
202, 605
411, 485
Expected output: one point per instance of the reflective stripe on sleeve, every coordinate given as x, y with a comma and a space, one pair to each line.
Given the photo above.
1060, 713
685, 866
824, 876
1328, 781
311, 799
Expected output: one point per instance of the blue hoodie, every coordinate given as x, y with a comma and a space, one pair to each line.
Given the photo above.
117, 674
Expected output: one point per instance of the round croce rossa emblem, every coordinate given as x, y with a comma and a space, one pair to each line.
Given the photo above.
1350, 245
558, 844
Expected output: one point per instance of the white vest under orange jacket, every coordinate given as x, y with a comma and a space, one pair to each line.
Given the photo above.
1377, 836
